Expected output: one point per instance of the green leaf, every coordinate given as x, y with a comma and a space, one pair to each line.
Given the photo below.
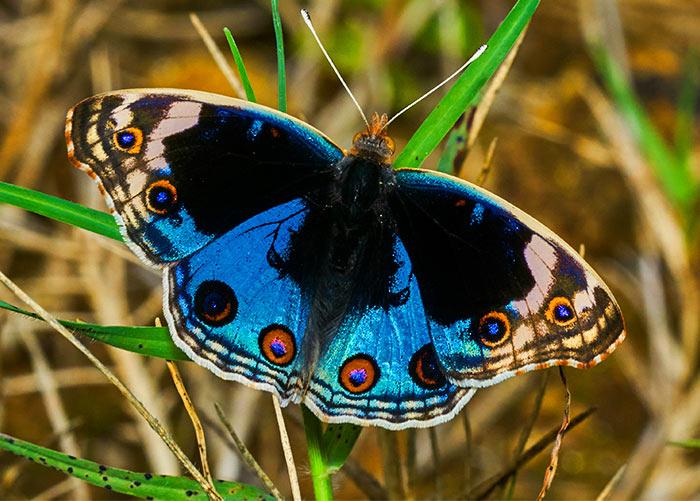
675, 177
150, 341
465, 92
238, 59
281, 72
686, 110
693, 443
337, 442
60, 210
124, 481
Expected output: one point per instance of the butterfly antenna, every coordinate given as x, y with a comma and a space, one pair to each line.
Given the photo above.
307, 20
476, 56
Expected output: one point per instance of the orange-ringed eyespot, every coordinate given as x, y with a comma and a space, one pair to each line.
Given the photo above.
215, 303
425, 369
161, 197
560, 311
129, 140
277, 344
359, 374
494, 329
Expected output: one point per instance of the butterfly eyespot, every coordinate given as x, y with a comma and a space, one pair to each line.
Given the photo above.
277, 344
359, 374
161, 197
215, 303
129, 140
561, 312
494, 329
425, 369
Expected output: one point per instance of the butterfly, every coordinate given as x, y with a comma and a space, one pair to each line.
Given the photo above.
373, 295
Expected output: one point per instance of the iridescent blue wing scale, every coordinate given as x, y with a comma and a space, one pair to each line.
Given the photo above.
381, 369
230, 309
503, 294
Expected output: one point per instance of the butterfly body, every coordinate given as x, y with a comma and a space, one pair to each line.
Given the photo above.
371, 294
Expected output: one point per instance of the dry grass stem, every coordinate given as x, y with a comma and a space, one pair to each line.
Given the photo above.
218, 56
287, 448
196, 423
128, 395
246, 454
554, 458
605, 493
488, 163
486, 487
491, 91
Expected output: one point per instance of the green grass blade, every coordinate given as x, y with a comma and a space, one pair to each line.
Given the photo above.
338, 441
281, 72
144, 485
60, 210
465, 91
455, 149
150, 341
693, 443
674, 176
238, 59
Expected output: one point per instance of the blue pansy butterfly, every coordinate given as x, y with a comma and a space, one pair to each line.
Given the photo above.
372, 295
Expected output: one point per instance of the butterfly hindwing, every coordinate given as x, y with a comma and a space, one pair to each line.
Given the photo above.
230, 309
380, 368
180, 168
502, 293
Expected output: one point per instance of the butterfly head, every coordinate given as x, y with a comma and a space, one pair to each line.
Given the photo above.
374, 142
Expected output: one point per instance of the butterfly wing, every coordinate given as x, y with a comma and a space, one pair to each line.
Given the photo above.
380, 367
211, 189
503, 295
230, 309
180, 168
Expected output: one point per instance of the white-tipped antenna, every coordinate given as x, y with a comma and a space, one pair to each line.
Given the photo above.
307, 20
476, 56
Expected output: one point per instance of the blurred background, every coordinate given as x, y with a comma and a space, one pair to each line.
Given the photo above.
569, 151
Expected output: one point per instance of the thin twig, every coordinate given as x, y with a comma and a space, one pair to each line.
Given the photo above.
605, 493
436, 462
554, 459
468, 452
287, 448
487, 486
130, 397
196, 423
246, 454
488, 163
527, 429
218, 56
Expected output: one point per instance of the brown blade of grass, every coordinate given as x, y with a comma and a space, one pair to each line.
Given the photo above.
527, 429
196, 423
246, 455
554, 458
487, 486
218, 56
128, 395
287, 448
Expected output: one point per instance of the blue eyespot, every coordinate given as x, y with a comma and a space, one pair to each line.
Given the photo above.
129, 140
359, 374
161, 197
494, 329
277, 344
215, 303
560, 311
126, 139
